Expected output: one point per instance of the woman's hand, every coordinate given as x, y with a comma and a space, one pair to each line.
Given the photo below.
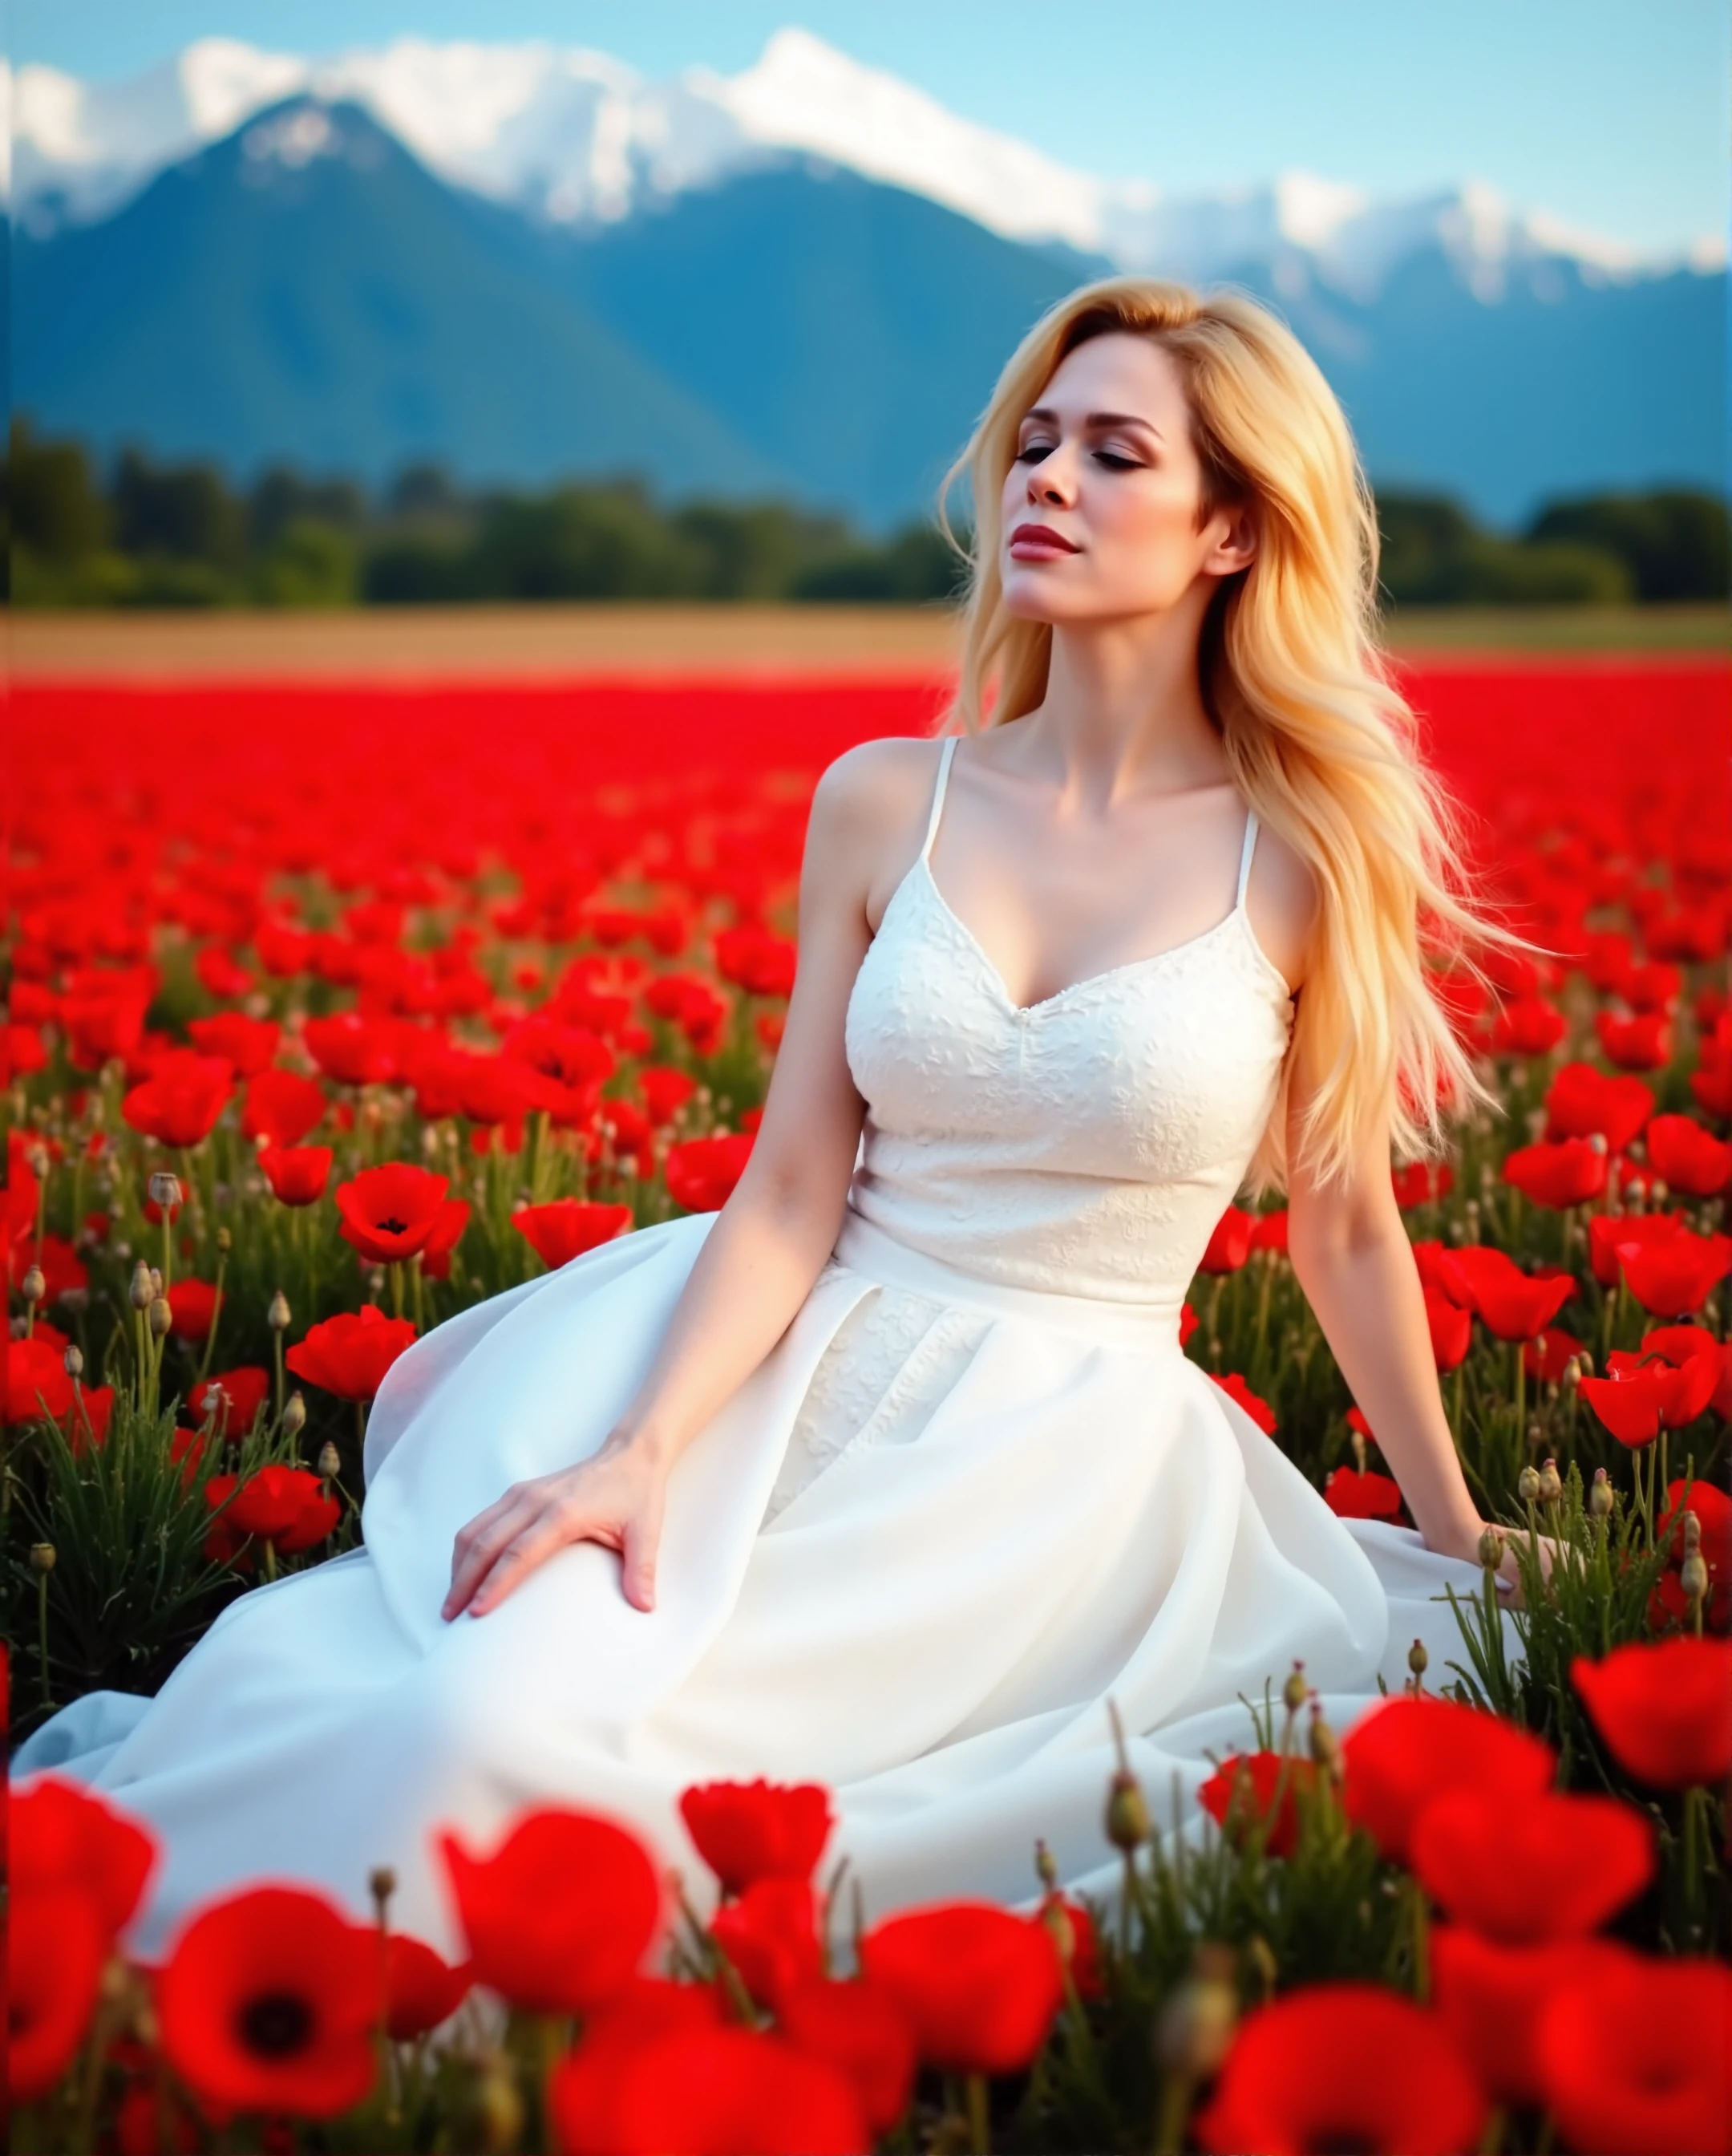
1549, 1550
615, 1497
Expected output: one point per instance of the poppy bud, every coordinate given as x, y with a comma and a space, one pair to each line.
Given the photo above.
1527, 1485
35, 1285
1127, 1813
1600, 1495
1057, 1919
1194, 2031
1693, 1576
1264, 1967
1418, 1659
72, 1361
1596, 1140
381, 1885
162, 1317
1585, 1361
165, 1189
294, 1415
1572, 1372
330, 1461
225, 1241
142, 1288
1046, 1869
1295, 1691
1325, 1750
277, 1317
1491, 1549
156, 1287
39, 1160
1552, 1483
41, 1557
1692, 1527
1658, 1192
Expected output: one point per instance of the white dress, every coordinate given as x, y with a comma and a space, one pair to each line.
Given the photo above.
975, 1491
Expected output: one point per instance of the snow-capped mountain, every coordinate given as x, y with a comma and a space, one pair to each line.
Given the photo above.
575, 138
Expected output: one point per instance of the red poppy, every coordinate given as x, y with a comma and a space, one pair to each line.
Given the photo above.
179, 1103
1520, 1868
1452, 1329
1229, 1243
859, 2029
1237, 1390
388, 1213
35, 1368
1582, 1100
1632, 2057
1244, 1786
665, 1091
1351, 1495
770, 1934
284, 1506
237, 1395
193, 1306
1343, 2066
979, 1986
559, 1914
567, 1227
1490, 1998
268, 2001
1512, 1304
297, 1174
353, 1050
350, 1353
1674, 1278
282, 1106
706, 2092
1421, 1182
746, 1831
421, 1989
1663, 1708
1402, 1752
702, 1172
1268, 1230
1688, 1156
756, 960
1558, 1174
1526, 1025
1641, 1042
65, 1837
246, 1044
1645, 1391
55, 1947
1605, 1234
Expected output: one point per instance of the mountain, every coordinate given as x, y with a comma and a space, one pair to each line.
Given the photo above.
542, 266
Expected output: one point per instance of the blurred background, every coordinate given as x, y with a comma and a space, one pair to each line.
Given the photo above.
404, 305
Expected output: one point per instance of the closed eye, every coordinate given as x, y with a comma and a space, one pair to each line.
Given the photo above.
1114, 462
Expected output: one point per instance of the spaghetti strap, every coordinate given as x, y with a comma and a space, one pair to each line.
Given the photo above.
944, 754
1245, 853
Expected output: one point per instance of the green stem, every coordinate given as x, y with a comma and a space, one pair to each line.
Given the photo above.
980, 2129
42, 1636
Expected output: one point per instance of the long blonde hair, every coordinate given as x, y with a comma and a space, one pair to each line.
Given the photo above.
1320, 739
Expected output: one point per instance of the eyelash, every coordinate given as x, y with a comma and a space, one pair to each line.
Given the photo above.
1036, 450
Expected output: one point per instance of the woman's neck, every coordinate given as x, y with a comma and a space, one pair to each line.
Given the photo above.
1123, 711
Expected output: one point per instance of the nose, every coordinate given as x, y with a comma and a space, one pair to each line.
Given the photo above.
1052, 481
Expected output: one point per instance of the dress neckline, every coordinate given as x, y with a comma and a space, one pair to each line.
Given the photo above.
1149, 961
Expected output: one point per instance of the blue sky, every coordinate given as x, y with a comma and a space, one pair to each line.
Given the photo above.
1612, 113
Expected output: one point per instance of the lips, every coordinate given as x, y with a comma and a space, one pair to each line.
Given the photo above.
1037, 539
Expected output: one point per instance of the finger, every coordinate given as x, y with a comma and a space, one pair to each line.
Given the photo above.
520, 1556
642, 1538
478, 1551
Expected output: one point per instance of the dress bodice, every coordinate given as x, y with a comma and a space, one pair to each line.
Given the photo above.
1086, 1144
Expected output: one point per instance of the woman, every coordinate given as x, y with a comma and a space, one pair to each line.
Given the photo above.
892, 1474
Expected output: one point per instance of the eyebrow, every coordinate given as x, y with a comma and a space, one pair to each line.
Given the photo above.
1099, 420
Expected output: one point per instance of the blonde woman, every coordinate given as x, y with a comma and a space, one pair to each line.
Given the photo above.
892, 1474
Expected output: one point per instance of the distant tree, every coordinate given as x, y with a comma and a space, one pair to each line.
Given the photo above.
916, 566
1675, 542
756, 551
184, 512
56, 509
1434, 554
282, 497
582, 543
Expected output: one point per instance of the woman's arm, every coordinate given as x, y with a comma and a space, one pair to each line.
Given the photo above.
771, 1238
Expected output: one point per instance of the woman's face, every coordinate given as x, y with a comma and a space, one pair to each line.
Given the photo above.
1099, 505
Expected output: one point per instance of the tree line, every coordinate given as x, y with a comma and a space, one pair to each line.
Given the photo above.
144, 533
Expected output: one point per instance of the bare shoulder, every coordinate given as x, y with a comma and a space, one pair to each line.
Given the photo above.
1284, 901
868, 812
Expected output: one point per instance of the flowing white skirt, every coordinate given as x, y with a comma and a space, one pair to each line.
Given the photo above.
912, 1558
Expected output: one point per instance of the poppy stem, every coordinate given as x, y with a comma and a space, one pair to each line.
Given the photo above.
980, 2129
550, 2044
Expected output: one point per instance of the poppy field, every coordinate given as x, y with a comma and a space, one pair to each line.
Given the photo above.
333, 1009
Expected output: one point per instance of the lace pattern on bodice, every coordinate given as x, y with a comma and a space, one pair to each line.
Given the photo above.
1085, 1144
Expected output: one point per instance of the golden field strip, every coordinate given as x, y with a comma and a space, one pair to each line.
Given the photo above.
554, 641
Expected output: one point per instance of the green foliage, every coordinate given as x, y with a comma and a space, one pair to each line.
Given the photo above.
1676, 544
